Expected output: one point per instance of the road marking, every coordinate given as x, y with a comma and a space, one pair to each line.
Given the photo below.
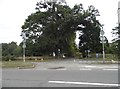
85, 69
25, 69
83, 83
91, 66
111, 69
41, 69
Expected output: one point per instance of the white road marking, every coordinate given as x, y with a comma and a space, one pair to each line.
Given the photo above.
85, 69
25, 69
111, 69
91, 66
83, 83
41, 69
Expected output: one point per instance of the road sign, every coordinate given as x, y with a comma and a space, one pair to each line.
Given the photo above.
102, 41
102, 32
102, 38
24, 46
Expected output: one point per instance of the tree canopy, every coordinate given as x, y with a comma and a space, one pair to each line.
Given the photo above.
53, 27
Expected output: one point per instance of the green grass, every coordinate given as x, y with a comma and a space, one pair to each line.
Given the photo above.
0, 64
17, 64
20, 63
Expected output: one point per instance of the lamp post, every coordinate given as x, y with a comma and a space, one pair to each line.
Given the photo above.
118, 12
24, 45
102, 38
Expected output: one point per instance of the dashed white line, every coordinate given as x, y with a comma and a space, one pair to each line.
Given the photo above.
85, 69
91, 66
41, 69
83, 83
111, 69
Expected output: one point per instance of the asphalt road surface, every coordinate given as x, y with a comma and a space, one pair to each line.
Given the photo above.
71, 73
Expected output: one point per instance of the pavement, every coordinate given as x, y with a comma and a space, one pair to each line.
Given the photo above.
74, 65
68, 73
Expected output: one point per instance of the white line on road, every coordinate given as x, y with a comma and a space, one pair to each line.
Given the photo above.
111, 69
41, 69
85, 69
83, 83
91, 66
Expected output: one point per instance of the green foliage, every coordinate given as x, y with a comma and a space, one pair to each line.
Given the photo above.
90, 32
10, 51
53, 26
49, 30
116, 40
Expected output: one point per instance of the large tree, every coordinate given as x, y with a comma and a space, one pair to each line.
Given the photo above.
49, 29
53, 27
89, 30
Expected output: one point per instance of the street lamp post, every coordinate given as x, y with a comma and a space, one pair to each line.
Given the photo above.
102, 38
58, 53
118, 12
24, 45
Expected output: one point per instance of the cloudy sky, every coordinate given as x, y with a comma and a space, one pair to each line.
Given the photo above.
14, 12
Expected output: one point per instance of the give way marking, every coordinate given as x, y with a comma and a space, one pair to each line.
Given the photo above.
84, 83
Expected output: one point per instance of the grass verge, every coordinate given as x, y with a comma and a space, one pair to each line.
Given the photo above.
17, 64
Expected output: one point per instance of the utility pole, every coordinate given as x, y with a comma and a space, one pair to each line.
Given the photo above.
102, 38
24, 45
118, 12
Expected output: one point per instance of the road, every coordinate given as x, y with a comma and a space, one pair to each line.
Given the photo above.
62, 74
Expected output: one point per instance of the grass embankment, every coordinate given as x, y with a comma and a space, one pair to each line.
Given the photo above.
17, 64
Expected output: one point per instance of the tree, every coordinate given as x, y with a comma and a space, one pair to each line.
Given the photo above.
49, 30
5, 49
53, 27
116, 40
11, 50
89, 31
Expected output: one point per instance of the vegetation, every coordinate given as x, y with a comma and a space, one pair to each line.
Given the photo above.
10, 51
17, 64
116, 41
51, 31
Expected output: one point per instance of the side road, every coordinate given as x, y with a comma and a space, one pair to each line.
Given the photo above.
73, 64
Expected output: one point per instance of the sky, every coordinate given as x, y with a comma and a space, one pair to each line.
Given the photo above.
14, 12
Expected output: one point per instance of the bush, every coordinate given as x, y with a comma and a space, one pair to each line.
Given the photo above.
8, 58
